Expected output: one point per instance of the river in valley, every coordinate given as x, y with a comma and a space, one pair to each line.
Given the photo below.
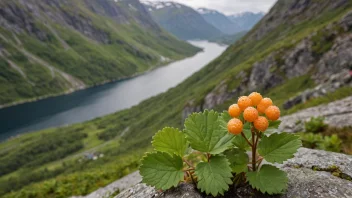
102, 100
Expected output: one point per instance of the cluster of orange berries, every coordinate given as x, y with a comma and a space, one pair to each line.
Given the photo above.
247, 104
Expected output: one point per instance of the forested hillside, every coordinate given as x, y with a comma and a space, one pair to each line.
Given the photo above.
54, 47
298, 60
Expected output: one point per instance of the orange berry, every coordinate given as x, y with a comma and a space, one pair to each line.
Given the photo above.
265, 103
261, 123
250, 114
256, 98
272, 113
244, 102
235, 126
234, 110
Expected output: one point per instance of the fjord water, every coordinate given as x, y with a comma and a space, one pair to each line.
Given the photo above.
102, 100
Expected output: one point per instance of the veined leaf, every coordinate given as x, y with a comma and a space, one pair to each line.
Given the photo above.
161, 170
268, 179
273, 127
207, 132
238, 159
214, 176
170, 140
279, 147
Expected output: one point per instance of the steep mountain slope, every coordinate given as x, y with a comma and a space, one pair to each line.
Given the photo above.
287, 55
246, 20
52, 47
229, 39
219, 20
182, 21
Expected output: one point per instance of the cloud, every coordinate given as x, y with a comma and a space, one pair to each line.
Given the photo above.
229, 6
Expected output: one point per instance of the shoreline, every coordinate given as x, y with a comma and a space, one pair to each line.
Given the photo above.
72, 90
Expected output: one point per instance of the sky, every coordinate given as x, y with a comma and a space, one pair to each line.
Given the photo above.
229, 6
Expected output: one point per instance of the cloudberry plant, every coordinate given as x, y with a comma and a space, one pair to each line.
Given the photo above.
211, 151
272, 113
235, 126
244, 102
234, 110
250, 114
256, 98
264, 104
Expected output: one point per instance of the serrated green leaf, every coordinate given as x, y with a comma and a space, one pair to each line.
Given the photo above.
170, 140
214, 177
274, 124
226, 116
207, 132
239, 141
268, 179
273, 127
161, 170
238, 159
279, 147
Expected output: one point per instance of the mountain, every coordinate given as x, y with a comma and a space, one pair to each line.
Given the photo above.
182, 21
246, 20
299, 55
229, 39
54, 47
219, 20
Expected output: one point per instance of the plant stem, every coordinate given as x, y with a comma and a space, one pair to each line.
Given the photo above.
254, 150
188, 163
244, 136
208, 156
190, 169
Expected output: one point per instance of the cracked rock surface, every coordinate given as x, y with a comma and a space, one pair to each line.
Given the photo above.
304, 182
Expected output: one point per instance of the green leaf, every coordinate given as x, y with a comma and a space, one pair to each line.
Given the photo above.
226, 116
161, 170
170, 140
214, 176
273, 127
239, 141
238, 159
268, 179
279, 147
207, 132
274, 124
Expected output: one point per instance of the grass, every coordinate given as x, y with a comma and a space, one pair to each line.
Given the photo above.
118, 50
330, 97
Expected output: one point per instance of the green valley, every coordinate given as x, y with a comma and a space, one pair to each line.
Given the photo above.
53, 48
271, 59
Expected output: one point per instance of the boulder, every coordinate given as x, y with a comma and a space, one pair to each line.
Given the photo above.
311, 173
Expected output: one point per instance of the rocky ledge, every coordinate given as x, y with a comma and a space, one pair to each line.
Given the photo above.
338, 114
312, 173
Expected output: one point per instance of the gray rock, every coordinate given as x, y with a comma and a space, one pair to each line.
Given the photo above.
299, 60
305, 180
262, 76
338, 114
346, 22
119, 185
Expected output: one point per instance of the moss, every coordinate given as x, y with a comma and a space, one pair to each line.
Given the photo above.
334, 170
